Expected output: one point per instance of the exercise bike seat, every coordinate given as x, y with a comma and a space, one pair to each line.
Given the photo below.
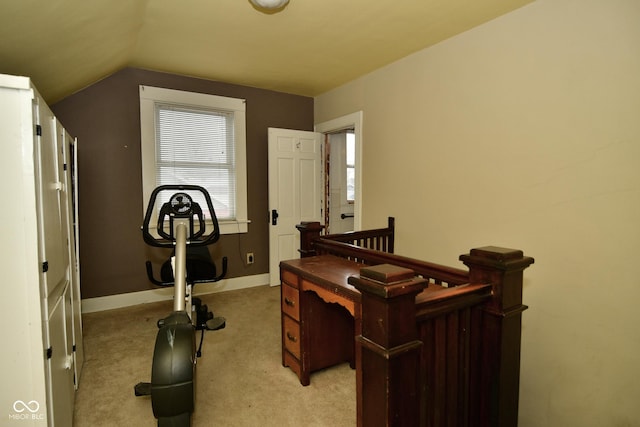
200, 266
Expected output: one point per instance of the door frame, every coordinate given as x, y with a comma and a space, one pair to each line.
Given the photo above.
350, 121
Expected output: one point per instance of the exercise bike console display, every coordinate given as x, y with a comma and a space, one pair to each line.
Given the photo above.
181, 226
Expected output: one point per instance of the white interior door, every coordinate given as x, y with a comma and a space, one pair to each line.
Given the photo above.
295, 191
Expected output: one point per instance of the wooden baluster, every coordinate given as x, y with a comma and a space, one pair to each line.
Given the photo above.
497, 373
388, 347
391, 224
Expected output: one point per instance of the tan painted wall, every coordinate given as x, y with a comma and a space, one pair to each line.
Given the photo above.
525, 133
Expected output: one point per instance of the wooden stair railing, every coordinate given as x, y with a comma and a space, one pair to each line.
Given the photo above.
447, 355
396, 319
380, 239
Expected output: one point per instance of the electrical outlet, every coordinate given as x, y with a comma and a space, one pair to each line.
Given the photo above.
250, 258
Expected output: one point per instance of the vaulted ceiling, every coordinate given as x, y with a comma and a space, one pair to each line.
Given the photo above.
308, 48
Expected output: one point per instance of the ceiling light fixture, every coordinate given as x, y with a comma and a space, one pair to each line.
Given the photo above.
269, 4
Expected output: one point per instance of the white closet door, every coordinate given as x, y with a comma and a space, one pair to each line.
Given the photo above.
60, 386
53, 249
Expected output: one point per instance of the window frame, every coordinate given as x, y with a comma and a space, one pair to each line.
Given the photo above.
151, 96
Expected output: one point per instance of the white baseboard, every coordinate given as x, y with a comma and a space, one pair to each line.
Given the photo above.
110, 302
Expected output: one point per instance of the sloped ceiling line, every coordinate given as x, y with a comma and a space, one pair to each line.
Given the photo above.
308, 48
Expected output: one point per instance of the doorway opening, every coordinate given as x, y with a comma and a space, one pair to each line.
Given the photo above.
339, 166
342, 173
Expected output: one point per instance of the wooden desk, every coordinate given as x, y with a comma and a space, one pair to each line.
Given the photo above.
320, 314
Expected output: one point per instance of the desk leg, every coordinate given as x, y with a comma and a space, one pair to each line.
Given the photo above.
291, 362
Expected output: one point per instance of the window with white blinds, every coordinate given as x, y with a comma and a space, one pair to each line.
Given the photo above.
196, 139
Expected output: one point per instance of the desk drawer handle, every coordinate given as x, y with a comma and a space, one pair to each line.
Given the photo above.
289, 302
292, 337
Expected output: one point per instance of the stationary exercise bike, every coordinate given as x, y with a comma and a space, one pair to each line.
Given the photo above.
172, 386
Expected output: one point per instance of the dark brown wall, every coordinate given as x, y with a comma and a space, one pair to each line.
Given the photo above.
105, 118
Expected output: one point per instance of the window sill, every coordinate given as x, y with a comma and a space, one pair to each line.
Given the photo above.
226, 227
234, 227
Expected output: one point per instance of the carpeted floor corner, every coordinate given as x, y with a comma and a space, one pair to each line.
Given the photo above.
240, 378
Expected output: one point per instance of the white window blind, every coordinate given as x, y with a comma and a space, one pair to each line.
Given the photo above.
196, 147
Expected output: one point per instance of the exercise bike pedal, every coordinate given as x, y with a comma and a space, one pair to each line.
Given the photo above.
216, 323
142, 389
202, 316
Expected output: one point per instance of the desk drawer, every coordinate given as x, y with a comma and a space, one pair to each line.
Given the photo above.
289, 278
291, 336
290, 301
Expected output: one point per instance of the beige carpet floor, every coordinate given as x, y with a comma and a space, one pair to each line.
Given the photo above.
240, 378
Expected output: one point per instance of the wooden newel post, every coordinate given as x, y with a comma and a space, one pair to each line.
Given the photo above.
389, 346
498, 367
309, 231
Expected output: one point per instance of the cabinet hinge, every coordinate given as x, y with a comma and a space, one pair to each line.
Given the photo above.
45, 266
38, 130
49, 352
64, 167
74, 348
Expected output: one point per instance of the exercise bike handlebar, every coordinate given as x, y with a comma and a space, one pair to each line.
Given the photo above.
196, 238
